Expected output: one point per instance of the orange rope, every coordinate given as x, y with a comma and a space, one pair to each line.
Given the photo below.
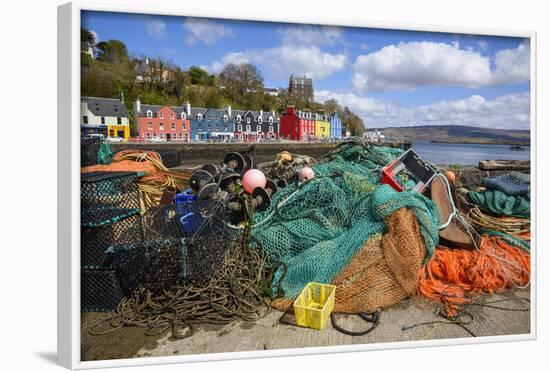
454, 276
155, 181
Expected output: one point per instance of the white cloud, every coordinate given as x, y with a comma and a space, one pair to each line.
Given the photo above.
96, 36
155, 27
205, 31
280, 62
511, 111
311, 35
410, 65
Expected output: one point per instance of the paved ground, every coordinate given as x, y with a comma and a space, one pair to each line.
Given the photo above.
268, 333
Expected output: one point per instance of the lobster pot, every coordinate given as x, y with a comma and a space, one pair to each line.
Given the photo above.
97, 242
152, 252
108, 197
206, 235
89, 148
99, 290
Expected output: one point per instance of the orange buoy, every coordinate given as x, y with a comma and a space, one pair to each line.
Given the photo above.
450, 176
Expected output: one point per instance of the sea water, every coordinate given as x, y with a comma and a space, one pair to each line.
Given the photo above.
467, 154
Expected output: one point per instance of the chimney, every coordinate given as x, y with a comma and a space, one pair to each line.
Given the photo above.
138, 105
122, 96
228, 110
261, 113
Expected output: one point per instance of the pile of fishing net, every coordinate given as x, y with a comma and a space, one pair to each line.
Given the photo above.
454, 277
344, 227
237, 290
155, 180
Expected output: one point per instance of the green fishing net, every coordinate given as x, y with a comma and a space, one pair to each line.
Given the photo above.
315, 228
502, 204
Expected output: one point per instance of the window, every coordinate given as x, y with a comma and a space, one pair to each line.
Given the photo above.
183, 126
181, 135
238, 118
259, 120
248, 120
248, 128
239, 128
161, 135
148, 135
271, 119
173, 125
161, 126
225, 118
183, 115
149, 113
150, 126
259, 128
217, 128
85, 119
119, 121
270, 129
102, 120
161, 115
172, 116
199, 116
155, 135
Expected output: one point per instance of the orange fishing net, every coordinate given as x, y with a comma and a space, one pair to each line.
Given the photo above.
383, 273
454, 276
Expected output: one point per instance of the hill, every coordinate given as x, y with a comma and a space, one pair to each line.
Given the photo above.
457, 134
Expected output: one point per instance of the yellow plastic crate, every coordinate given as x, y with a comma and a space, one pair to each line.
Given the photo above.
313, 306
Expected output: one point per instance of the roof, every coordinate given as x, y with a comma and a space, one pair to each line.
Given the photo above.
178, 110
106, 106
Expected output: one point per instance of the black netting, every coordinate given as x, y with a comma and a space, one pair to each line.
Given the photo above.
207, 236
107, 197
95, 241
152, 252
172, 244
99, 290
89, 147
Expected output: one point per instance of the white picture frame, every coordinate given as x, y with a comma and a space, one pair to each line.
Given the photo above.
69, 182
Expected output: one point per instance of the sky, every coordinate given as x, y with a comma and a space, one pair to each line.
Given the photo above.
387, 77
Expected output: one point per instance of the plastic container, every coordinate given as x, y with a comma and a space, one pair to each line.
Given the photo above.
185, 197
313, 306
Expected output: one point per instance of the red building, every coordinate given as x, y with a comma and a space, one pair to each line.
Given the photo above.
297, 125
162, 123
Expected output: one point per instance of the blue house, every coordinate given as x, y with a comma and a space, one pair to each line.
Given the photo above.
198, 126
335, 126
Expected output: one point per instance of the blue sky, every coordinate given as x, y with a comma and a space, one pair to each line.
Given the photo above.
388, 77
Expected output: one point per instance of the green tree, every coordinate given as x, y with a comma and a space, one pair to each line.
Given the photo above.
198, 76
113, 51
87, 36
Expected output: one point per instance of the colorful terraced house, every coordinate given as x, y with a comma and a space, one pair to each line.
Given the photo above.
322, 126
106, 116
297, 125
335, 126
163, 123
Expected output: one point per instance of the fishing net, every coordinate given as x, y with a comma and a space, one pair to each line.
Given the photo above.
172, 244
96, 241
99, 290
93, 151
108, 197
237, 289
513, 183
384, 271
455, 276
315, 228
502, 204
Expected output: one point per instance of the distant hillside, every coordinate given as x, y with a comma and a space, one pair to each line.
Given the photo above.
456, 134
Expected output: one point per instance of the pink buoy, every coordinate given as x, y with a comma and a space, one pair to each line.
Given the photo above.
306, 174
252, 179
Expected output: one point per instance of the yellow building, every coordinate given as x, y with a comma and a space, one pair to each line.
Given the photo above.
322, 127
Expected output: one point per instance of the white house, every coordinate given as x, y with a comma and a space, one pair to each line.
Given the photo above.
106, 116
